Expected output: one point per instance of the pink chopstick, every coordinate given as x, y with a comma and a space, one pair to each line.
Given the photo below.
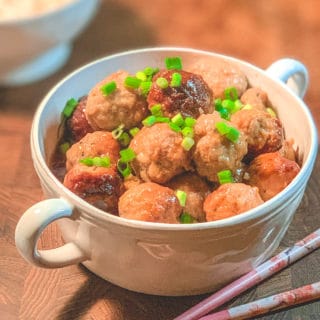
268, 304
262, 272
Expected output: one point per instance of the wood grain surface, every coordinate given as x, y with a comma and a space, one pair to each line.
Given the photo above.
257, 31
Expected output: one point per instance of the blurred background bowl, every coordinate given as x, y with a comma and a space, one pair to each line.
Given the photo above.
34, 47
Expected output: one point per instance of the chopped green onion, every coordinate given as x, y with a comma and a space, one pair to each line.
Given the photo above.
237, 105
141, 76
186, 218
116, 133
190, 122
178, 120
271, 112
64, 147
108, 88
149, 121
222, 127
173, 63
96, 161
182, 197
134, 131
231, 93
218, 104
224, 114
124, 168
176, 80
187, 143
124, 139
156, 110
132, 82
162, 83
247, 107
145, 87
127, 155
69, 107
187, 132
163, 119
225, 176
228, 104
149, 71
174, 127
233, 134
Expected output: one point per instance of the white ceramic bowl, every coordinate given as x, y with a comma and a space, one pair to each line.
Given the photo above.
157, 258
35, 47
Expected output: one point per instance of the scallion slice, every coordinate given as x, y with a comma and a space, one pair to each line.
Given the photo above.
187, 132
186, 218
96, 161
190, 122
163, 119
231, 93
182, 197
132, 82
176, 80
174, 127
149, 121
124, 168
187, 143
69, 107
141, 76
225, 176
108, 88
134, 131
222, 127
127, 155
178, 120
64, 147
271, 112
162, 83
145, 87
173, 63
233, 134
124, 139
228, 131
116, 133
156, 110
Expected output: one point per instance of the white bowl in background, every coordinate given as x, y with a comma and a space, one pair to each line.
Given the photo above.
158, 258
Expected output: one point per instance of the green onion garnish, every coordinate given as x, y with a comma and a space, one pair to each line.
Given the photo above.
134, 131
230, 132
225, 176
162, 83
247, 107
149, 121
271, 112
231, 93
176, 80
69, 107
187, 143
182, 197
178, 120
186, 218
127, 155
233, 134
187, 132
174, 127
64, 147
132, 82
96, 161
149, 71
173, 63
124, 168
156, 110
116, 133
190, 122
108, 88
145, 87
163, 119
141, 76
222, 127
124, 139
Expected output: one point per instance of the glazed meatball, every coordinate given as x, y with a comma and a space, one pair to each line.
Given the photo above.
159, 154
213, 152
123, 106
77, 125
192, 98
99, 186
150, 202
220, 75
95, 144
271, 173
231, 199
264, 132
256, 98
196, 189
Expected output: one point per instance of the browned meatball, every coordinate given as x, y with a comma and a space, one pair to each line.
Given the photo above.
192, 98
256, 98
264, 132
231, 199
77, 125
99, 186
271, 173
220, 75
95, 144
214, 152
123, 106
150, 202
196, 189
160, 155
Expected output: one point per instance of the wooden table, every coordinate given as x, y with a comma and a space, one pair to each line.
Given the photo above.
257, 31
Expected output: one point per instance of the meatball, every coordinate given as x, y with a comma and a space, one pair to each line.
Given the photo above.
159, 154
213, 152
77, 125
271, 173
231, 199
264, 132
192, 98
99, 186
95, 144
196, 189
256, 98
220, 75
123, 106
150, 202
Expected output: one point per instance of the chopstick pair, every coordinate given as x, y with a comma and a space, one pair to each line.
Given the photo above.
262, 272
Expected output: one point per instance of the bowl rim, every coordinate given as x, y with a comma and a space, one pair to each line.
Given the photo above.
98, 216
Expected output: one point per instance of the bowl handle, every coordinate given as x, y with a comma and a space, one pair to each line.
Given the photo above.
291, 72
30, 226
